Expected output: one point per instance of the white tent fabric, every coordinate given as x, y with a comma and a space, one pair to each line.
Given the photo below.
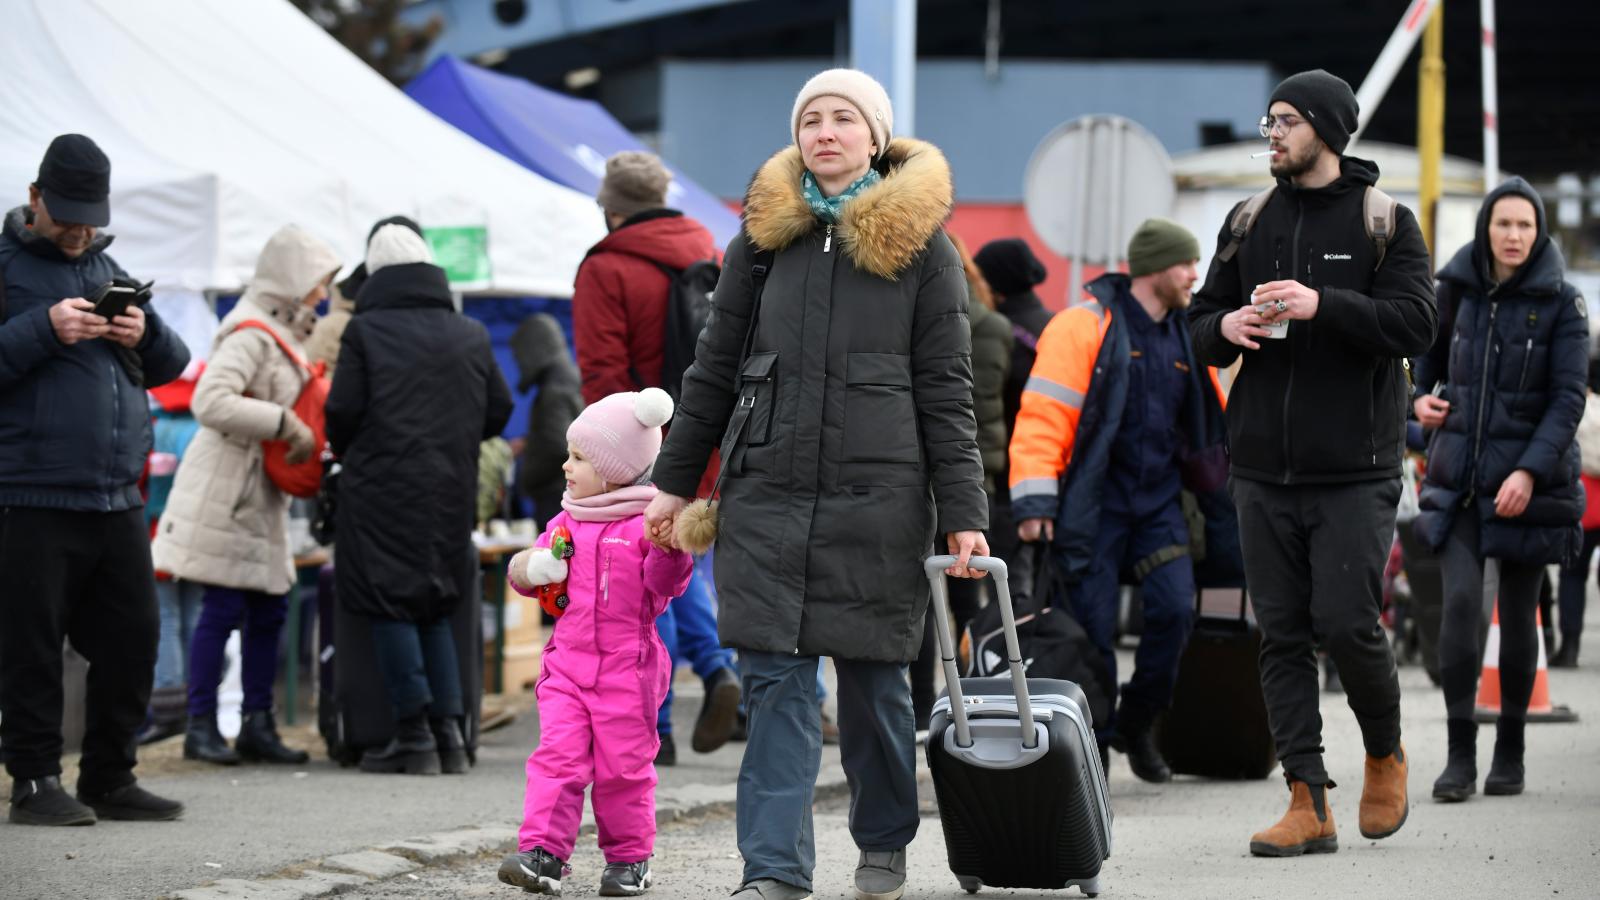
225, 119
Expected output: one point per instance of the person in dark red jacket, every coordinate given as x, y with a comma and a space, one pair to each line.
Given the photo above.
619, 309
619, 324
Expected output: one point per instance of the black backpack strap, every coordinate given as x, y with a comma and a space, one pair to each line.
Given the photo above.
1243, 219
760, 267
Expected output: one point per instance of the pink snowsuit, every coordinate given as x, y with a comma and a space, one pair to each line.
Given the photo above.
605, 674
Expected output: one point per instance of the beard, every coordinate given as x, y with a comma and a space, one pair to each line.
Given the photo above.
1172, 294
1293, 166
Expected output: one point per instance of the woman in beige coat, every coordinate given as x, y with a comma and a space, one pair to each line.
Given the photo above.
226, 524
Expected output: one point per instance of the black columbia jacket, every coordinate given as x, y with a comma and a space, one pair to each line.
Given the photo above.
1326, 404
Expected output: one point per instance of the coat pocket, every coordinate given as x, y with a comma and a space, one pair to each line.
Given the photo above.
750, 424
758, 394
880, 415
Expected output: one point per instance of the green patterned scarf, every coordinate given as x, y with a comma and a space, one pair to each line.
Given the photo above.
827, 208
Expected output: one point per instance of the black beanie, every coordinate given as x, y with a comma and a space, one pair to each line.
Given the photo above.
1326, 101
1009, 266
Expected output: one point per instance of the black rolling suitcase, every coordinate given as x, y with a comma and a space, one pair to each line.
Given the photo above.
354, 711
1217, 726
1021, 807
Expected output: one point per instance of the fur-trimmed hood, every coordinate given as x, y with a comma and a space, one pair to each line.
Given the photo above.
882, 229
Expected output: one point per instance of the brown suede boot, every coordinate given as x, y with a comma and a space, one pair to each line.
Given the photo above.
1306, 828
1384, 800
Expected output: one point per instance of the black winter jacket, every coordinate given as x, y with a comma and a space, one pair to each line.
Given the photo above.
858, 443
1028, 318
74, 425
418, 391
542, 356
1328, 403
992, 343
1514, 364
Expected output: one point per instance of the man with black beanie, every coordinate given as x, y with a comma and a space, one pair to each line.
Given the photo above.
74, 546
1326, 312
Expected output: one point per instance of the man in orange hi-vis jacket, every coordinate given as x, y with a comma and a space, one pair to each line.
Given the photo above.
1113, 409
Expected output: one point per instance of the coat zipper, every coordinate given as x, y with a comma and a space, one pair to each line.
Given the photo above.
1522, 380
1288, 390
116, 429
827, 240
1483, 390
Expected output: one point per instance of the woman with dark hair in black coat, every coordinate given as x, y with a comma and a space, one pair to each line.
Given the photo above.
1502, 480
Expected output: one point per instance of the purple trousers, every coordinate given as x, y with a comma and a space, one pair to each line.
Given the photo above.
259, 618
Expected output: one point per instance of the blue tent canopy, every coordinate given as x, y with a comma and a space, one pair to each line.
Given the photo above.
565, 139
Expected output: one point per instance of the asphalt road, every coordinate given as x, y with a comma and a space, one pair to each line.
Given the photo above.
1189, 839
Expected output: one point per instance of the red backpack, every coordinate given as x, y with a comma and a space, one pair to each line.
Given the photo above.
299, 479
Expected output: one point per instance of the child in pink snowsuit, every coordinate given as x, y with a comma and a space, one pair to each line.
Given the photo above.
605, 671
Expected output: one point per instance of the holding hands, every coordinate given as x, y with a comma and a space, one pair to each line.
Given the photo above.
659, 518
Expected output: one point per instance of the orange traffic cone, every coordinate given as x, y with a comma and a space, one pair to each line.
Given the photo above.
1540, 709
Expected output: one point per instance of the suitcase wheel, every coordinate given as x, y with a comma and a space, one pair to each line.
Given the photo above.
968, 883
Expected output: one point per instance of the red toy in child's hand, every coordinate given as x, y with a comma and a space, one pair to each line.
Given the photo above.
553, 597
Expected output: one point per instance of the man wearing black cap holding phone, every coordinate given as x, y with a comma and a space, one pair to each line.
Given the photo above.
1324, 286
74, 550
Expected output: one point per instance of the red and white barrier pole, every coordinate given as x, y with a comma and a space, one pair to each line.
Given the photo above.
1491, 100
1391, 59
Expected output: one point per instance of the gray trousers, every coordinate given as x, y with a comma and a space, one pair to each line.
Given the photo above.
1314, 557
778, 777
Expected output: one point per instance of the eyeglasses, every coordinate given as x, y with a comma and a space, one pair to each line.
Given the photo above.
1269, 124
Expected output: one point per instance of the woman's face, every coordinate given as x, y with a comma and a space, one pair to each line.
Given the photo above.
318, 293
835, 140
582, 480
1513, 226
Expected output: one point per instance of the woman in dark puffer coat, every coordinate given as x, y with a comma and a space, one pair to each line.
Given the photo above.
1503, 468
848, 443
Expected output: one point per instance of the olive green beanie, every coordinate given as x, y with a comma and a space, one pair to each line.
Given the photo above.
1160, 243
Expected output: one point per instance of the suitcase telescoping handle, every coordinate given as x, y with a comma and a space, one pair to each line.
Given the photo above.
934, 567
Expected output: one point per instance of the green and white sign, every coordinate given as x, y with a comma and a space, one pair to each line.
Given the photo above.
463, 253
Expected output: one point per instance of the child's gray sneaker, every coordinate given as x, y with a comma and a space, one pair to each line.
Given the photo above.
881, 875
536, 871
625, 879
770, 889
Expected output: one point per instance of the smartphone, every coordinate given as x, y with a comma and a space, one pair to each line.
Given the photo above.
113, 299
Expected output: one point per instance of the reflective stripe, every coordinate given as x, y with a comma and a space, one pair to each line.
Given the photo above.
1033, 487
1098, 310
1055, 391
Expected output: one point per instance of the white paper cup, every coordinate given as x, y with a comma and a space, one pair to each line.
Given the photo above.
1276, 330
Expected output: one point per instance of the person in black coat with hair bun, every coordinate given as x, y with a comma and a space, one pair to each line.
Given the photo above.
1503, 466
418, 391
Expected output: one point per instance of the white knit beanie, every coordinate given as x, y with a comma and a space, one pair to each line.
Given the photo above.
864, 93
396, 245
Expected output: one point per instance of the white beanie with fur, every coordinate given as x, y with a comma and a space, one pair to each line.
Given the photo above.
396, 245
862, 90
